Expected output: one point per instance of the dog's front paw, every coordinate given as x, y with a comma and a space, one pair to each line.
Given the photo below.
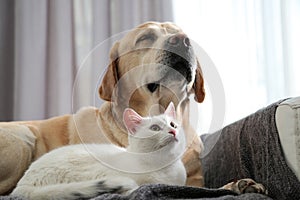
246, 185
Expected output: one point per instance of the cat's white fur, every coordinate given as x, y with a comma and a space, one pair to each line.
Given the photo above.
88, 170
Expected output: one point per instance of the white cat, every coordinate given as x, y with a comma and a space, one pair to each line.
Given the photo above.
88, 170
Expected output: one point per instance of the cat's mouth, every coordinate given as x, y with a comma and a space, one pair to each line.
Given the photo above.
168, 140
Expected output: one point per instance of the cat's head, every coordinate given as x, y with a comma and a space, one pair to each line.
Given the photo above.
151, 133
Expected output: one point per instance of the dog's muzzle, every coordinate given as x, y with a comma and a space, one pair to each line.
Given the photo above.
178, 58
178, 54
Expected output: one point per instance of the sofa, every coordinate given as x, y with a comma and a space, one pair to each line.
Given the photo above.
264, 146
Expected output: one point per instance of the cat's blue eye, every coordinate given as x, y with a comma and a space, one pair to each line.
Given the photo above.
173, 125
155, 127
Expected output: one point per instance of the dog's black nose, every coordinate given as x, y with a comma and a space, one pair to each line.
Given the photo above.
179, 40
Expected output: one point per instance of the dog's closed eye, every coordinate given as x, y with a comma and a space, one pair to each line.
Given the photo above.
149, 37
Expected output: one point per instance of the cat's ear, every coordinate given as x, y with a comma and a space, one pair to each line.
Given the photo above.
170, 111
131, 120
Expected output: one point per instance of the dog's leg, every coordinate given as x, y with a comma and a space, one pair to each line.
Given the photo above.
191, 158
16, 144
192, 163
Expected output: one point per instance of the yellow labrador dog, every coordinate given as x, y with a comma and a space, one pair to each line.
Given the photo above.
151, 66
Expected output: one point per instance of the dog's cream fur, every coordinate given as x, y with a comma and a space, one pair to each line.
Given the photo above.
132, 66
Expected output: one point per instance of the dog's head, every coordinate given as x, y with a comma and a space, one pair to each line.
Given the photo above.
151, 66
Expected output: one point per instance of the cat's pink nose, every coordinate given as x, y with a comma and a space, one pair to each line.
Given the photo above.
173, 132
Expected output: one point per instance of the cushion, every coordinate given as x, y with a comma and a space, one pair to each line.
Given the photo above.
288, 125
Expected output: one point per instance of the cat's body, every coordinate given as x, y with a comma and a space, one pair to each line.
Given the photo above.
87, 170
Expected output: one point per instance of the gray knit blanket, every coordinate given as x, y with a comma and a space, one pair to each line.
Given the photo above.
249, 148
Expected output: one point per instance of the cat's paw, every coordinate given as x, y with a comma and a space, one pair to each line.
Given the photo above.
246, 185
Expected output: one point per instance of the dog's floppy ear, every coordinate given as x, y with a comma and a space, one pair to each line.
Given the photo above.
110, 78
199, 85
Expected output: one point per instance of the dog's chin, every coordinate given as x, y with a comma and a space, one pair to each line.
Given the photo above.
177, 65
178, 76
152, 87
